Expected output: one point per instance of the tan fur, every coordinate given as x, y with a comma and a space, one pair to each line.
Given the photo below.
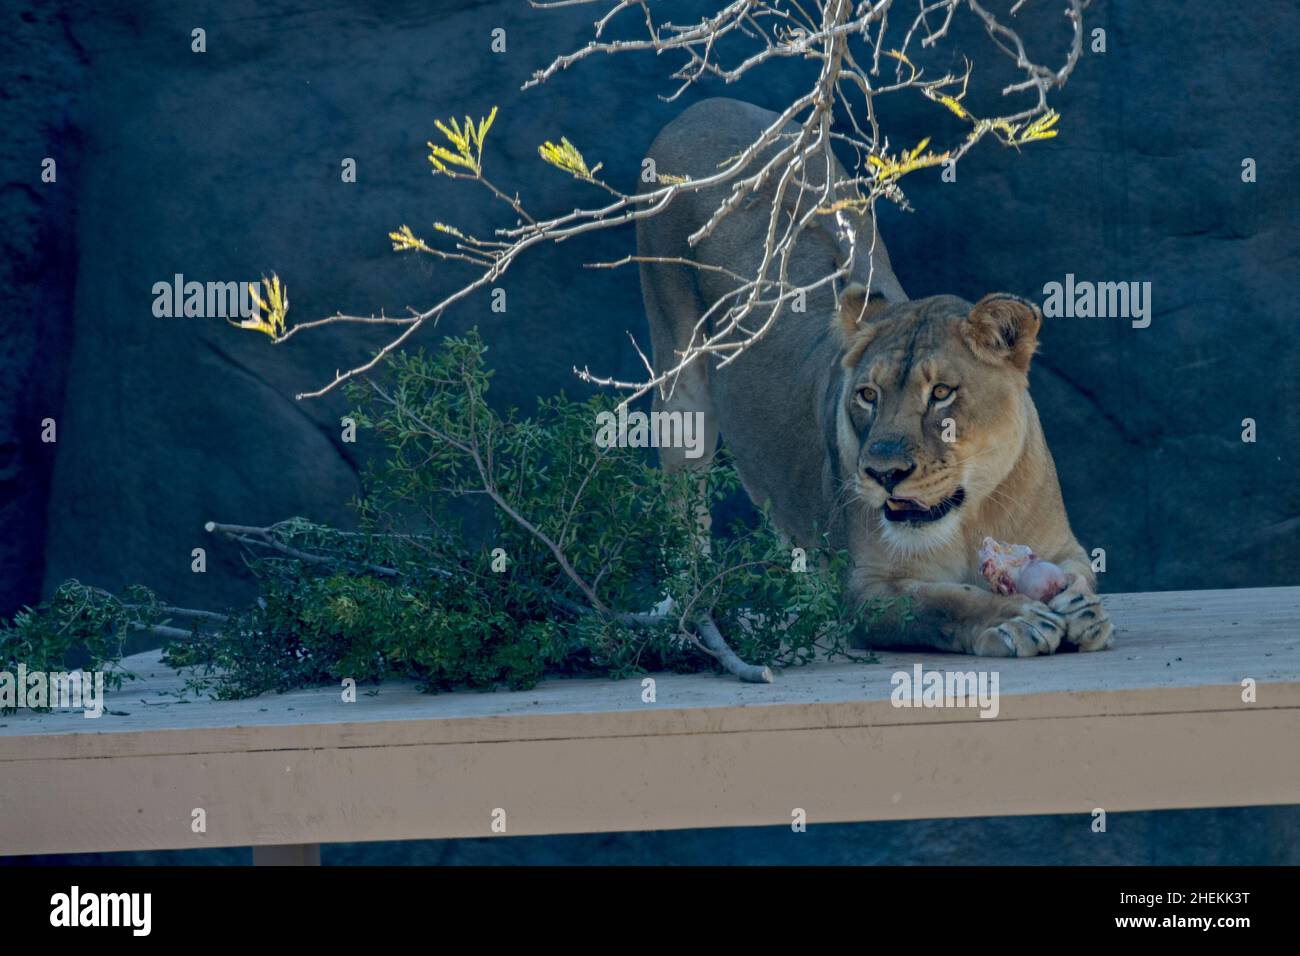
997, 437
999, 460
807, 450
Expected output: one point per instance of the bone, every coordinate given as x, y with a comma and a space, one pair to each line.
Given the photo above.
1015, 569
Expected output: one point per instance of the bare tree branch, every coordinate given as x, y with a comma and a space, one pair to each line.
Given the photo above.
840, 106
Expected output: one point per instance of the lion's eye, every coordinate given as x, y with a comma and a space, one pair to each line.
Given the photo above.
941, 392
866, 395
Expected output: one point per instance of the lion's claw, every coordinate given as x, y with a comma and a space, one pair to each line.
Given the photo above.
1087, 624
1034, 630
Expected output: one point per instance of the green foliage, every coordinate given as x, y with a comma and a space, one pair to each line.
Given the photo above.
79, 626
581, 543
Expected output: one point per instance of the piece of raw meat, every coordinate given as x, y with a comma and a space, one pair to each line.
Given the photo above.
1015, 569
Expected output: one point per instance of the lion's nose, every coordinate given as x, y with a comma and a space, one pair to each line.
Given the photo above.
889, 478
888, 463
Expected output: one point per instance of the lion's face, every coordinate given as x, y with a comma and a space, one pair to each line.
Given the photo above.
932, 414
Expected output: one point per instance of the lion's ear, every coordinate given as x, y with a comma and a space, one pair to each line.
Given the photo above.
857, 307
854, 321
1003, 328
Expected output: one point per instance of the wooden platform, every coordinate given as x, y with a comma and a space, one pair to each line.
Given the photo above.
1157, 722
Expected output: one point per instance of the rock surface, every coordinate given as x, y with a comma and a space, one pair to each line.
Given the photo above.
226, 165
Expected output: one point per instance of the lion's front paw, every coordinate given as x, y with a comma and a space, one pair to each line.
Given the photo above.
1031, 629
1086, 622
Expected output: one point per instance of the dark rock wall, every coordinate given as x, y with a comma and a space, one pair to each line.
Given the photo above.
42, 69
225, 165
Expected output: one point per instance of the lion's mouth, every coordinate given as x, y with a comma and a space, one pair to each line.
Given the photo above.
914, 512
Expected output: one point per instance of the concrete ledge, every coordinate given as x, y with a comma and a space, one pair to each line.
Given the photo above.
1158, 722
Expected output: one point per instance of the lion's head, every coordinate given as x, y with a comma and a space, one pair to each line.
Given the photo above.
933, 409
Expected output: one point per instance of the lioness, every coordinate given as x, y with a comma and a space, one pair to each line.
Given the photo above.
837, 418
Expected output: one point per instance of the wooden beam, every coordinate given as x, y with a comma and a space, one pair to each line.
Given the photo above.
1160, 722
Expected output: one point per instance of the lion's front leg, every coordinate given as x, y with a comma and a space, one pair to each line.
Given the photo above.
967, 620
1086, 622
